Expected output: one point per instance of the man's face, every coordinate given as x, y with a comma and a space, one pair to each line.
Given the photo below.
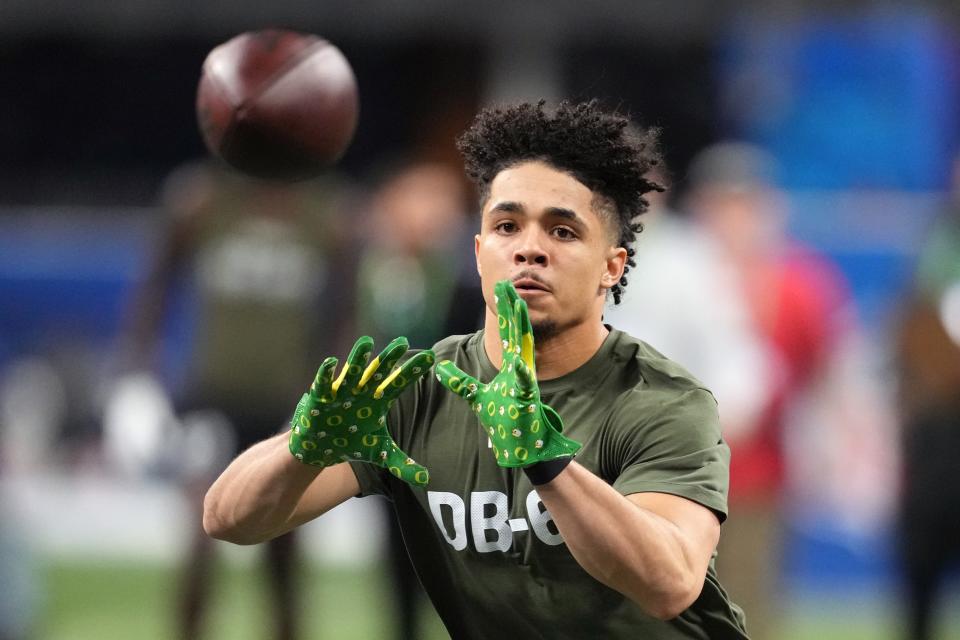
539, 229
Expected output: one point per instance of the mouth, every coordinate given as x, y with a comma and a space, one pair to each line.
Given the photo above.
529, 285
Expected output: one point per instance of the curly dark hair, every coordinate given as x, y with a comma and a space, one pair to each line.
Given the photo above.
601, 149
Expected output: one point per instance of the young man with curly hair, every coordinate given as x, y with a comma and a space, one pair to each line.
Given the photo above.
553, 477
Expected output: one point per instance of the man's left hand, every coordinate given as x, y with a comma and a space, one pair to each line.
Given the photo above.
523, 430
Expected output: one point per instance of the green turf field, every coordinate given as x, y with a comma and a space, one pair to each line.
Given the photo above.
86, 601
117, 601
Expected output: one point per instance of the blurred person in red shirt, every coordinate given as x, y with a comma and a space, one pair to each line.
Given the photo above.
795, 300
721, 289
680, 271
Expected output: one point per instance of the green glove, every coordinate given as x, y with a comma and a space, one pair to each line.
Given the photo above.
346, 418
522, 430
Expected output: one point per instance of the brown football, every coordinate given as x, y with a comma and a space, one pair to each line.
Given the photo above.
277, 104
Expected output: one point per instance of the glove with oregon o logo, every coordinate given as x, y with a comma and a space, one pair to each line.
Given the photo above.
346, 419
524, 432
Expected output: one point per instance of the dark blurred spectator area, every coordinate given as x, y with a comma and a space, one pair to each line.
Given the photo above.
96, 112
103, 121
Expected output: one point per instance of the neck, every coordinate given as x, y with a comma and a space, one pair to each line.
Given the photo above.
556, 356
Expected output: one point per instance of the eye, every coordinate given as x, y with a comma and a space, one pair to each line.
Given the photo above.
505, 226
564, 233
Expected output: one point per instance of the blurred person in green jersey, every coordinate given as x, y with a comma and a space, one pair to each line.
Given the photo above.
268, 272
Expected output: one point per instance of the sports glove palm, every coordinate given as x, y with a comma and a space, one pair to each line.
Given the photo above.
345, 419
523, 430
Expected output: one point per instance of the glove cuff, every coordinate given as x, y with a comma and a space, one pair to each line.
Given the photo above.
544, 472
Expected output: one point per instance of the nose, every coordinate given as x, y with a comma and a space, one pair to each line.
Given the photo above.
530, 249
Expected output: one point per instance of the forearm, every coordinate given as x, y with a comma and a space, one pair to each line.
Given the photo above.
256, 497
626, 547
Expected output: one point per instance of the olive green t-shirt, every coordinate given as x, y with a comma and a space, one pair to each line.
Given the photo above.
486, 550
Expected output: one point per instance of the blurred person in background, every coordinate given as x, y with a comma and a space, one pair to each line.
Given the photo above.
269, 275
409, 276
680, 271
411, 265
795, 301
775, 308
928, 365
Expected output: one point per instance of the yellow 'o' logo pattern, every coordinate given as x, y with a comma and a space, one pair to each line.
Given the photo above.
502, 321
304, 421
455, 384
364, 412
421, 477
521, 453
340, 442
370, 440
399, 381
309, 445
395, 471
501, 431
535, 427
491, 408
513, 411
334, 420
354, 369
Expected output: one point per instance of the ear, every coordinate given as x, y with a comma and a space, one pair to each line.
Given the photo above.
476, 252
614, 264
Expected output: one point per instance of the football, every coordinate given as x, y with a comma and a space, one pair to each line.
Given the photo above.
277, 104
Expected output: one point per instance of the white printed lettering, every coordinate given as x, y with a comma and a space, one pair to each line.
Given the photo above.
539, 518
518, 524
497, 522
440, 499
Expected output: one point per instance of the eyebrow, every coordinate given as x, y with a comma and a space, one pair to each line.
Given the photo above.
508, 206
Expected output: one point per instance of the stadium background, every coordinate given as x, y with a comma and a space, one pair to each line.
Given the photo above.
859, 101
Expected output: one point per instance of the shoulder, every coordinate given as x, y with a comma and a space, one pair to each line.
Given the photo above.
456, 347
653, 370
662, 433
656, 387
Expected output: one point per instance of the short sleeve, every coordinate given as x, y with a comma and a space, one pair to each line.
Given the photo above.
677, 450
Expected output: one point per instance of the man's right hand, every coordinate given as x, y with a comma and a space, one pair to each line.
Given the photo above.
346, 418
